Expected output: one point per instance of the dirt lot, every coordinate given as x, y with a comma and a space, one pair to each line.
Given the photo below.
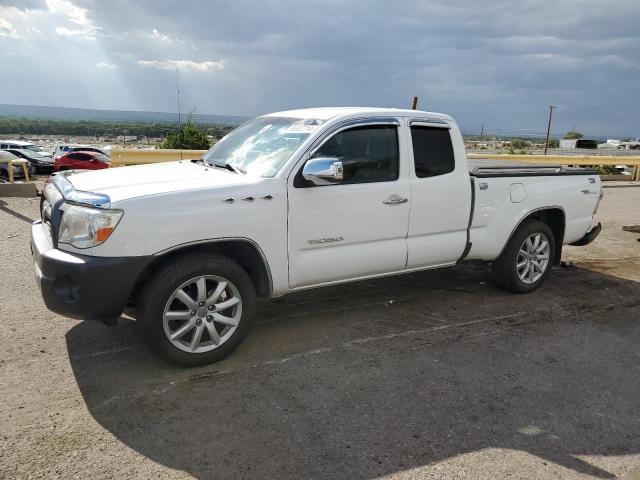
430, 375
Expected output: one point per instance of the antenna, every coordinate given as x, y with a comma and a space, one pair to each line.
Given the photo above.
179, 113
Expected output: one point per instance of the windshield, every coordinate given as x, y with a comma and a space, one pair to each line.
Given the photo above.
261, 146
101, 157
31, 148
31, 154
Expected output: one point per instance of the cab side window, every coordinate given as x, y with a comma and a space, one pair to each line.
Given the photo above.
432, 151
368, 154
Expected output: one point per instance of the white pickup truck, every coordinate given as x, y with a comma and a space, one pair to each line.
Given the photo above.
290, 201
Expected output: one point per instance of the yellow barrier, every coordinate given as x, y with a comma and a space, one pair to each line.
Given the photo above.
18, 161
122, 157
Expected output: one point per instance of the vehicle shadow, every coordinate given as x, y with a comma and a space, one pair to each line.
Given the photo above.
383, 376
18, 215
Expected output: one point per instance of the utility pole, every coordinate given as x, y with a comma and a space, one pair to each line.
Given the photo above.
546, 143
481, 132
178, 91
180, 132
414, 103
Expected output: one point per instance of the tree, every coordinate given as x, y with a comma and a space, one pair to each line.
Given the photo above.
573, 135
554, 143
189, 137
519, 143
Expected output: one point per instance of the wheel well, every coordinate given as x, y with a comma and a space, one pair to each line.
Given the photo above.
244, 252
555, 219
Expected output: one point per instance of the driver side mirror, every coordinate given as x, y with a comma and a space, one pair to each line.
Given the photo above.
323, 171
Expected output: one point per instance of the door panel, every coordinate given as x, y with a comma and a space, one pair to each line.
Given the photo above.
440, 198
346, 231
74, 161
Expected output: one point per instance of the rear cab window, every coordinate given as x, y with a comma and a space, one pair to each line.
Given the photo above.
432, 151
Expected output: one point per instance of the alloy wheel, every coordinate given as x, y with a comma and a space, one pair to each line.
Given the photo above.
533, 258
202, 314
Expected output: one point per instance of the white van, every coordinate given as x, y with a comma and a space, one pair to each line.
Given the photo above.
21, 144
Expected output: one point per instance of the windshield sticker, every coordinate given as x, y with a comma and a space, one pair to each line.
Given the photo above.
303, 126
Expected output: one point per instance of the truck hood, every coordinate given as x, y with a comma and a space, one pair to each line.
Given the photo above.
142, 180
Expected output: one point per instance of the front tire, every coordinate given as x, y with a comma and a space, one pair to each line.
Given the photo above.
197, 309
526, 261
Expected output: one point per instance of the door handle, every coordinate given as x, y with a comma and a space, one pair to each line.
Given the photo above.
589, 192
395, 200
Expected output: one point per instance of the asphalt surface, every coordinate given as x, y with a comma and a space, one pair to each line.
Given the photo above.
437, 374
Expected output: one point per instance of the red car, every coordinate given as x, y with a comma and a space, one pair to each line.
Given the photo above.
81, 160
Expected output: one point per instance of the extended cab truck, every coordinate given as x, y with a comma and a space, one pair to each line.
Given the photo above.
290, 201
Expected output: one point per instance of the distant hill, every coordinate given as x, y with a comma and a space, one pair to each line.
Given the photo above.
65, 113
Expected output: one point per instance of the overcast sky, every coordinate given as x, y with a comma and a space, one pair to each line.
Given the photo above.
494, 62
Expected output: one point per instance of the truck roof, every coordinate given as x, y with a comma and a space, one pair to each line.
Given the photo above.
325, 113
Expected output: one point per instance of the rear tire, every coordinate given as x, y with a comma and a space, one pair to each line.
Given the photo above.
197, 329
526, 261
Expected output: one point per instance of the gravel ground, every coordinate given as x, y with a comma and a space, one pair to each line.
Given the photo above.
437, 374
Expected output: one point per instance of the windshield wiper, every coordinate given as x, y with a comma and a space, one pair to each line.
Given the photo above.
230, 167
225, 165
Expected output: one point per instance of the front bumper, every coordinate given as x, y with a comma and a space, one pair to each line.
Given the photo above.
82, 286
43, 167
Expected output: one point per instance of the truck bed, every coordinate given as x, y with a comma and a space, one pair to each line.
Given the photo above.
484, 168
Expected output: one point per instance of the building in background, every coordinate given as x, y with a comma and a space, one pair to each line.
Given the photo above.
578, 143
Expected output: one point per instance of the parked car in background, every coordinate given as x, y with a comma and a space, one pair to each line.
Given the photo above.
18, 172
21, 145
39, 162
86, 160
64, 149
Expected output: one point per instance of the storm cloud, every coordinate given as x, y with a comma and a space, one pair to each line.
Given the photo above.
497, 63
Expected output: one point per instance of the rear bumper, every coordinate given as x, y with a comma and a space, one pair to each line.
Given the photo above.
81, 286
589, 237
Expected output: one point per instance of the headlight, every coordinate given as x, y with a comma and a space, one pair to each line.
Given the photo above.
85, 227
